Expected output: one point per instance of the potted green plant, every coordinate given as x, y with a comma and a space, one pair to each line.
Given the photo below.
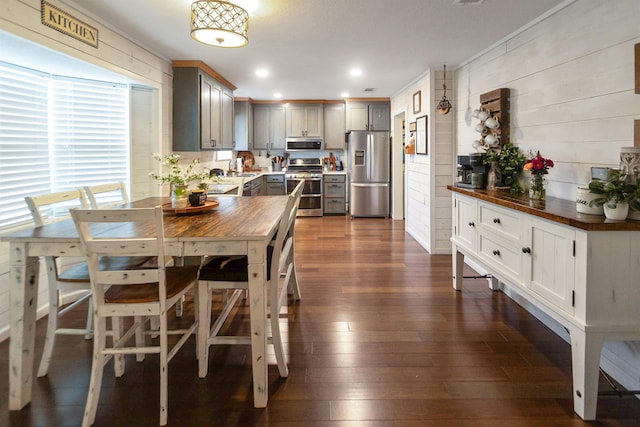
509, 160
634, 201
615, 195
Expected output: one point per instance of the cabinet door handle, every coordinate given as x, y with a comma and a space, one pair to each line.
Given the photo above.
496, 220
472, 224
526, 250
496, 252
213, 142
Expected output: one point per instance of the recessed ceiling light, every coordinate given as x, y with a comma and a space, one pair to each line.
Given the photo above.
355, 72
262, 72
277, 95
344, 95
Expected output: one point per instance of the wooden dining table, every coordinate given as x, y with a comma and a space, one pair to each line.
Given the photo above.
237, 226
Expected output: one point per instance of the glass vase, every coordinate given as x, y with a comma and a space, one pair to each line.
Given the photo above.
179, 196
536, 187
494, 178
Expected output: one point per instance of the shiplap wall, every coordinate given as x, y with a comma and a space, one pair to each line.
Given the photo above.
571, 77
115, 53
428, 209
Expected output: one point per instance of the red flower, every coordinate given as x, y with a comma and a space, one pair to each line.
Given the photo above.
539, 165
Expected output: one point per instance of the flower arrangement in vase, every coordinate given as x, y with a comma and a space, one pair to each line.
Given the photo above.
179, 176
539, 167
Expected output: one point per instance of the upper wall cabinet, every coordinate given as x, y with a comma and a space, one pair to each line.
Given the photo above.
334, 126
202, 111
304, 120
364, 115
269, 127
243, 125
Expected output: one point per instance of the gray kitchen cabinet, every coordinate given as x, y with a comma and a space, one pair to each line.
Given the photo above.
202, 111
305, 120
363, 115
275, 185
243, 125
334, 194
268, 127
334, 126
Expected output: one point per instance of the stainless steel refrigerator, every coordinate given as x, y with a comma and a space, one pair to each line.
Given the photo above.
369, 164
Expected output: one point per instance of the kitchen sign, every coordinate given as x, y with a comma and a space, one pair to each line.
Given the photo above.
61, 21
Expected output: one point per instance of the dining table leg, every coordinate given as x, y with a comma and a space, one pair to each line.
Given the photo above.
257, 269
23, 285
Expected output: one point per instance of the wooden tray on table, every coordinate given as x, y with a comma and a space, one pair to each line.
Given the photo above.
208, 205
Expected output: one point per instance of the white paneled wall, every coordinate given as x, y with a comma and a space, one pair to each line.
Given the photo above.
428, 210
115, 53
571, 77
571, 81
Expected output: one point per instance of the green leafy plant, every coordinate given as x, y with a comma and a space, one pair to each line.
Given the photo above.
613, 190
634, 197
510, 161
177, 174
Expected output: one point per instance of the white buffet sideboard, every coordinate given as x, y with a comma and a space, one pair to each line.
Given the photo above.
581, 270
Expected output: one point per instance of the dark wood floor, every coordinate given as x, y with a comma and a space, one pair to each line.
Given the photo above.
379, 339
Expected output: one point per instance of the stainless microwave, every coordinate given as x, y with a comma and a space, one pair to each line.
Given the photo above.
304, 144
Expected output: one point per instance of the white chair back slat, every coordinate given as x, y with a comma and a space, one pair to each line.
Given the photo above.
107, 195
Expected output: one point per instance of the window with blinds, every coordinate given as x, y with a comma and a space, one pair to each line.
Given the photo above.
56, 134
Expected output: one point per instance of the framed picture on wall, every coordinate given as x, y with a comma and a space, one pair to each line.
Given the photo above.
417, 102
421, 135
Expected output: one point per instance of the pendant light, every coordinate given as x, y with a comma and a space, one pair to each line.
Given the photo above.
219, 23
444, 106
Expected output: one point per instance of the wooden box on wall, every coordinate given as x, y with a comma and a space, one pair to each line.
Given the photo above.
497, 103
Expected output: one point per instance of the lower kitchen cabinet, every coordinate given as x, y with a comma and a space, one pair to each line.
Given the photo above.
578, 269
334, 194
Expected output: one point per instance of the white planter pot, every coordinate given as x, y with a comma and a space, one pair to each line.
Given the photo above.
619, 213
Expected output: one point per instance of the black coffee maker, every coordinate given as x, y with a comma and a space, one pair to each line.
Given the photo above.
472, 172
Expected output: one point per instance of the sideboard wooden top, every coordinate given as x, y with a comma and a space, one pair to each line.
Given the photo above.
558, 210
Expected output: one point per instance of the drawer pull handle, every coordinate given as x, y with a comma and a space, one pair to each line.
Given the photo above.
472, 224
496, 220
526, 250
496, 252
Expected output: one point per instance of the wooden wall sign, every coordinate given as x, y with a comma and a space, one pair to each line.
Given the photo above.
59, 20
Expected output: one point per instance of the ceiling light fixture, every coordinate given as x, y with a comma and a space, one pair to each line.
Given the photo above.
444, 106
219, 23
262, 72
356, 72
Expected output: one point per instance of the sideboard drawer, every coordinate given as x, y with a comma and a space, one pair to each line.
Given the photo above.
503, 256
503, 222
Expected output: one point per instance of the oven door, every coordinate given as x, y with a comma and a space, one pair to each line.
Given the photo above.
311, 200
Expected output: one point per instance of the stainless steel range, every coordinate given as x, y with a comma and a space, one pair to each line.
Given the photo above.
309, 169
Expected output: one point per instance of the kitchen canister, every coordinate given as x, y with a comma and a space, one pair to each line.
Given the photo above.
583, 198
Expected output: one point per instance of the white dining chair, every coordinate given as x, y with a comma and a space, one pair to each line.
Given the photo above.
230, 274
131, 292
107, 195
74, 278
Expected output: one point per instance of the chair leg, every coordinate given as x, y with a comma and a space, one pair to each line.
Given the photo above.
52, 325
163, 369
204, 323
89, 330
276, 335
140, 336
116, 333
180, 307
97, 370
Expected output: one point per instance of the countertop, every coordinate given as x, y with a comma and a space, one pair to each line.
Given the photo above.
562, 211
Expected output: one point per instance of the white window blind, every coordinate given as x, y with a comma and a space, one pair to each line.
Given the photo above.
56, 134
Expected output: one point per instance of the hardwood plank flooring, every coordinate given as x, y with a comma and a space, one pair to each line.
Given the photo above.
380, 339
